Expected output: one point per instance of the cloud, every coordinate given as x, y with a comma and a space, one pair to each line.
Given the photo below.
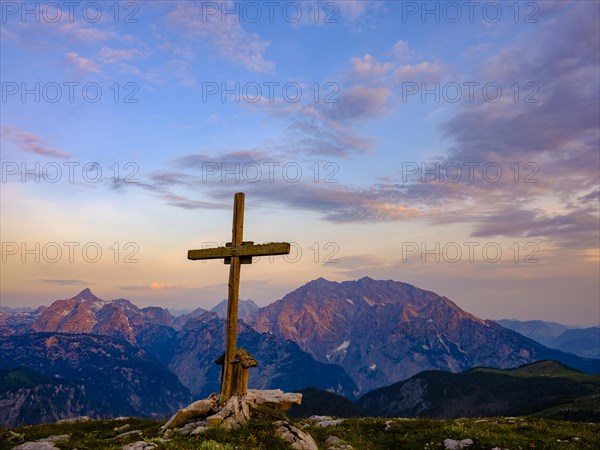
559, 205
43, 35
368, 67
154, 286
160, 184
181, 201
357, 14
401, 51
311, 136
110, 55
182, 70
79, 32
334, 201
573, 229
356, 266
361, 102
226, 36
81, 63
201, 161
557, 132
427, 71
73, 282
29, 142
366, 91
564, 78
157, 285
352, 9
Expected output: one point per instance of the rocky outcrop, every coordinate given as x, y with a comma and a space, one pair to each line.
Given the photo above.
324, 421
44, 443
298, 439
232, 414
140, 445
197, 410
274, 399
78, 419
452, 444
335, 443
36, 446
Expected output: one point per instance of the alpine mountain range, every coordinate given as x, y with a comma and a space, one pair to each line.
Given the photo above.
85, 355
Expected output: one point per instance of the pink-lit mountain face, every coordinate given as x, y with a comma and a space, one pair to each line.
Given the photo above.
381, 332
86, 313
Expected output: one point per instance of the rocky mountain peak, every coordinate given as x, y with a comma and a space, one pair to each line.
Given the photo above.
197, 321
86, 313
88, 295
125, 305
366, 280
246, 309
319, 280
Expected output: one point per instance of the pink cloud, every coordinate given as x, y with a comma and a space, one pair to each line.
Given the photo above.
110, 55
402, 51
430, 71
157, 285
369, 67
352, 9
80, 32
373, 72
29, 142
81, 63
392, 211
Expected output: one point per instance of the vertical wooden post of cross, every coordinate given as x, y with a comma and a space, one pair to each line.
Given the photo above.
236, 253
233, 296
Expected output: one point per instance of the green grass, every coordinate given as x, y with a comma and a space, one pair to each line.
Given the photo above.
89, 435
20, 377
366, 433
524, 433
545, 369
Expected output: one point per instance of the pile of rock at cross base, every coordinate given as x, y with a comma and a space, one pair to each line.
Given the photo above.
207, 413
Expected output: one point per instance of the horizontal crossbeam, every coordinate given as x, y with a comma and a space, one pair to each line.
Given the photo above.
243, 259
272, 248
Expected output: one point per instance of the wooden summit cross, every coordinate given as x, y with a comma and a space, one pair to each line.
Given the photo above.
234, 379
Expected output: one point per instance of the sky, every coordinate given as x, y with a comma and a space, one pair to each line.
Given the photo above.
450, 145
